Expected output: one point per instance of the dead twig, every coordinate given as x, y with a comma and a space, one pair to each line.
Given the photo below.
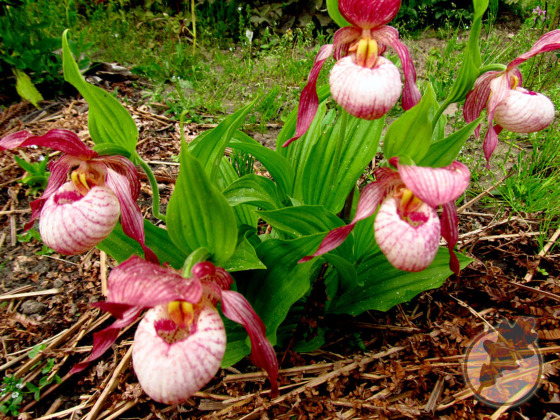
92, 415
529, 276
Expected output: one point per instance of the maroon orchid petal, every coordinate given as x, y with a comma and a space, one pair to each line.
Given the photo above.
171, 370
104, 339
333, 240
118, 310
236, 308
62, 140
490, 142
450, 232
131, 217
478, 98
410, 243
125, 167
368, 14
500, 88
343, 39
309, 101
144, 284
72, 224
390, 36
548, 42
11, 141
436, 186
370, 198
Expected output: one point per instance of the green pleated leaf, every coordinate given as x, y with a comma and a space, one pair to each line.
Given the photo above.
468, 72
274, 291
327, 179
244, 213
121, 247
301, 220
298, 221
385, 286
108, 120
244, 258
26, 89
198, 215
209, 149
345, 269
277, 165
411, 134
445, 151
253, 189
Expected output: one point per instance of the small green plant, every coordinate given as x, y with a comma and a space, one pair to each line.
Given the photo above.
16, 389
37, 175
242, 162
33, 234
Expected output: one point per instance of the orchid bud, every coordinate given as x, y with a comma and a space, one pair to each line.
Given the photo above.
523, 111
367, 93
71, 223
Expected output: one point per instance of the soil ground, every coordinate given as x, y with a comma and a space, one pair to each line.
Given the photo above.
407, 362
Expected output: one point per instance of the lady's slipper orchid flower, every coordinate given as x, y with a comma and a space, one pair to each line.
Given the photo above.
180, 342
362, 82
85, 195
407, 228
508, 104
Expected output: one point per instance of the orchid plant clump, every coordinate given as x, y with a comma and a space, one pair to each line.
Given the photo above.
373, 248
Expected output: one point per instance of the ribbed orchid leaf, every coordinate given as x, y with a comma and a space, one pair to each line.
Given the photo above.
273, 292
121, 247
198, 215
411, 134
210, 150
329, 185
277, 165
244, 258
108, 120
253, 189
26, 89
244, 213
471, 59
385, 286
445, 151
334, 13
300, 221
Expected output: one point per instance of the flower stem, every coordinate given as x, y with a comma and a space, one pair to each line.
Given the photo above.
153, 185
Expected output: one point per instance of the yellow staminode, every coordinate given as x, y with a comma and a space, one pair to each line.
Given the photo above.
366, 52
80, 181
409, 202
181, 313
